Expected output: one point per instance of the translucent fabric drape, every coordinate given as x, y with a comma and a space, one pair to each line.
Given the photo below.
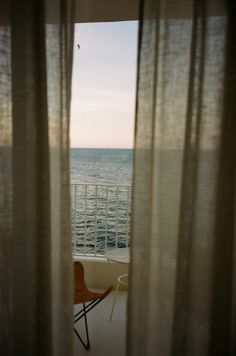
183, 263
35, 248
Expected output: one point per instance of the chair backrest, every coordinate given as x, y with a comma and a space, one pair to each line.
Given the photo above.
81, 293
79, 282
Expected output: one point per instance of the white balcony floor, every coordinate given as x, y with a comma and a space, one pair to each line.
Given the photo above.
106, 337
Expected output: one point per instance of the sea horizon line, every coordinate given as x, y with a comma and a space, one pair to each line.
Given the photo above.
104, 148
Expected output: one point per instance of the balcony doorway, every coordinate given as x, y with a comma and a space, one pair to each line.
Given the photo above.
101, 135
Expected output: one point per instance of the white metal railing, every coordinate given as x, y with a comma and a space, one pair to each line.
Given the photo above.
100, 217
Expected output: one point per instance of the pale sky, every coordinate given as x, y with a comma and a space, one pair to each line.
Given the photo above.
103, 85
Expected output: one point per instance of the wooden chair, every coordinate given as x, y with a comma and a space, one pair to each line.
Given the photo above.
84, 296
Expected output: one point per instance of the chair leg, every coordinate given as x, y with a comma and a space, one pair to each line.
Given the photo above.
87, 344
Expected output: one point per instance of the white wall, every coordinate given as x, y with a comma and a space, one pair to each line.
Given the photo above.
101, 274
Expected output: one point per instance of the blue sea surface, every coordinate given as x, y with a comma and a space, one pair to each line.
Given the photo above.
101, 198
96, 165
115, 167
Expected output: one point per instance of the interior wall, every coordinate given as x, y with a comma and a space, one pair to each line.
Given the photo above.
106, 10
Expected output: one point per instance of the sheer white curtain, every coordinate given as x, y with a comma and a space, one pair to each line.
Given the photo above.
183, 263
36, 291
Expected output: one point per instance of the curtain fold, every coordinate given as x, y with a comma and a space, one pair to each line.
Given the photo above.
182, 290
36, 290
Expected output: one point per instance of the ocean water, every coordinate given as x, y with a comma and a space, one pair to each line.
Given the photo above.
101, 166
115, 167
101, 198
